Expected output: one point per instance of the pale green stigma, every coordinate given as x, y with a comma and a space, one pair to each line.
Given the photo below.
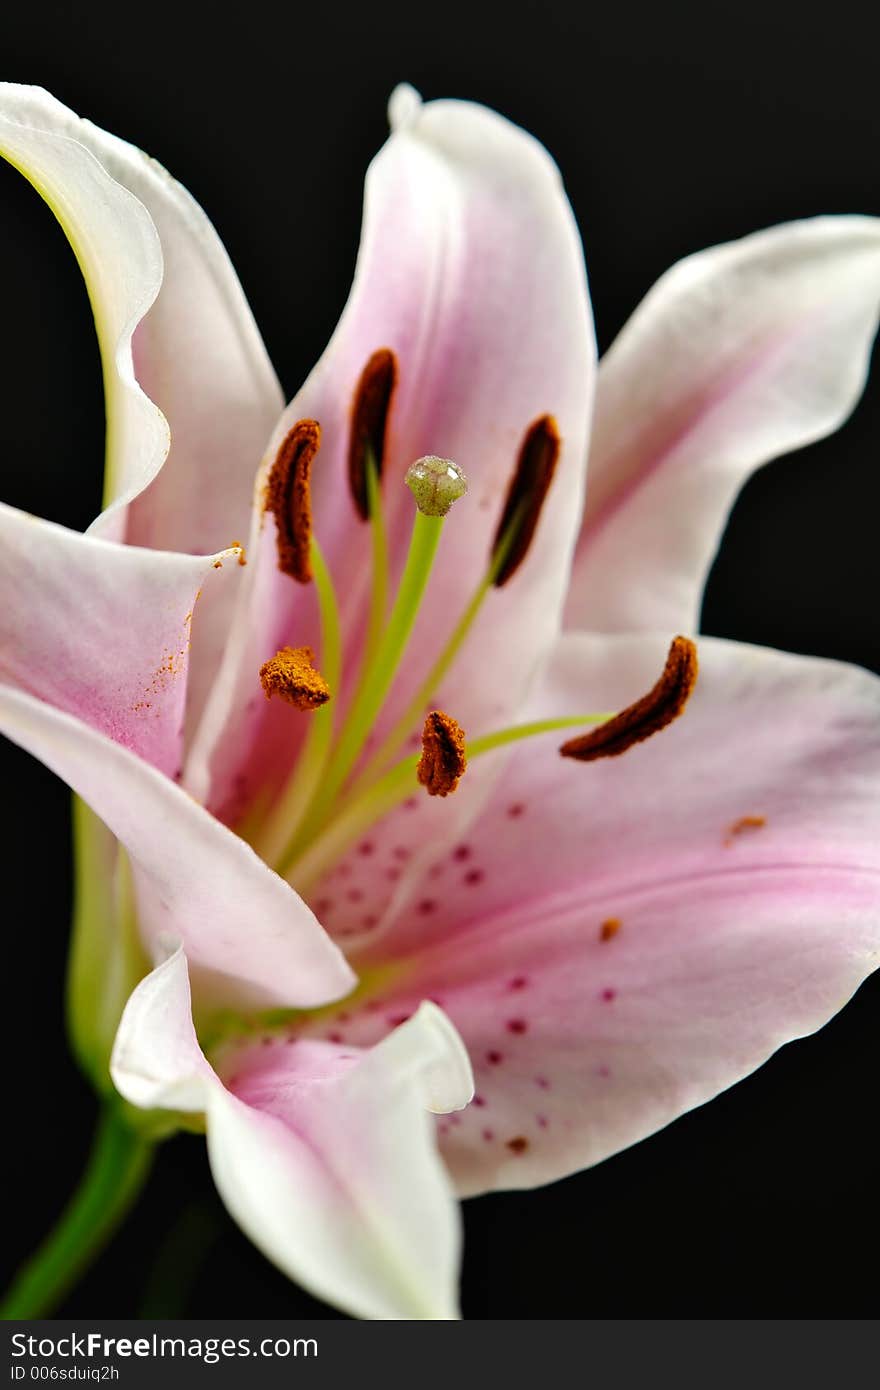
435, 483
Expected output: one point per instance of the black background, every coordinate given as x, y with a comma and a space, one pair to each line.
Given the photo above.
676, 127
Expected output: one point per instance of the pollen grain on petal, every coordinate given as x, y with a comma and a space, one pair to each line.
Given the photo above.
742, 826
443, 761
288, 498
526, 494
647, 716
291, 674
370, 411
609, 928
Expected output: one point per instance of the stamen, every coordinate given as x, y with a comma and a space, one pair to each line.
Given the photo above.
376, 680
288, 498
443, 761
646, 716
369, 424
291, 674
535, 467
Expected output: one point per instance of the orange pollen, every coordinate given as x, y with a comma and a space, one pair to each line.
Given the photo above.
647, 716
443, 761
288, 498
291, 674
744, 825
610, 927
369, 424
526, 494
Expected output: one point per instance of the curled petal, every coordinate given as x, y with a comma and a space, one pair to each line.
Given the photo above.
118, 249
324, 1155
162, 288
737, 355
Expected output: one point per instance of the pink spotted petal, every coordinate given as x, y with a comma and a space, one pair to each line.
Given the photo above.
324, 1155
102, 630
737, 355
619, 941
248, 935
471, 270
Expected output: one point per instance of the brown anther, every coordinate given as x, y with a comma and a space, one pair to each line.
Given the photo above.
535, 467
648, 715
443, 761
369, 424
288, 498
291, 674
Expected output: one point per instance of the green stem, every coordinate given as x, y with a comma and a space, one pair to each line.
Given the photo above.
117, 1167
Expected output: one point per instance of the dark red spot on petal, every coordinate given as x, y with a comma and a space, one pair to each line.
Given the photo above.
518, 982
462, 853
488, 1135
542, 1082
518, 1145
366, 847
335, 1038
479, 1100
474, 876
608, 995
516, 1025
494, 1058
516, 810
426, 906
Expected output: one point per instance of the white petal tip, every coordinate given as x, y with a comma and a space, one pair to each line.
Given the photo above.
448, 1077
404, 106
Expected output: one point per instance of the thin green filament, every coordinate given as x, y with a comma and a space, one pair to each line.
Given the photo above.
379, 545
376, 679
395, 740
281, 826
325, 849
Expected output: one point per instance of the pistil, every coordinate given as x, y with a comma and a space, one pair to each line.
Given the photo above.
376, 681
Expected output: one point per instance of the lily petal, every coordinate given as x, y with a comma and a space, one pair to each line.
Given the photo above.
147, 248
178, 343
471, 272
67, 633
619, 941
118, 249
251, 939
324, 1155
738, 354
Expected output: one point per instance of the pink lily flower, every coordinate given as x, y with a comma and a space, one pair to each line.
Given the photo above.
320, 954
